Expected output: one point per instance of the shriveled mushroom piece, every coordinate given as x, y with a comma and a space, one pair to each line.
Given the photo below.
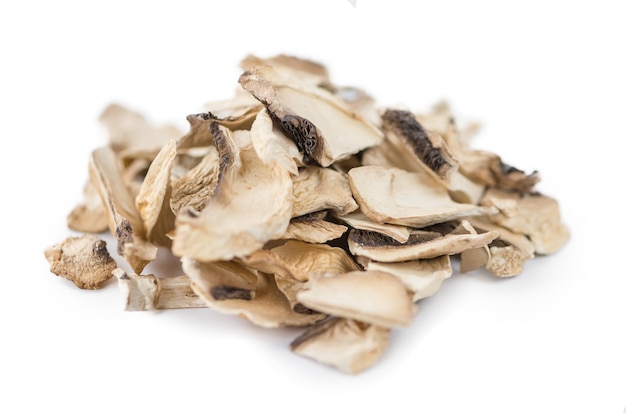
147, 292
267, 308
313, 228
84, 260
196, 186
421, 244
303, 70
473, 258
316, 189
422, 277
290, 288
535, 215
359, 221
348, 345
122, 216
299, 260
391, 195
321, 125
230, 225
89, 215
271, 144
369, 296
222, 280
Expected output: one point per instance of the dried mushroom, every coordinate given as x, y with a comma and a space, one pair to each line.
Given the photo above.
302, 203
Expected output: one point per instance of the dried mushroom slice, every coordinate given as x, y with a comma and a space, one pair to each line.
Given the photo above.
358, 220
89, 215
427, 149
474, 258
229, 226
321, 125
222, 280
147, 292
303, 70
421, 277
421, 245
369, 296
316, 189
299, 260
197, 185
290, 288
122, 216
199, 134
272, 146
84, 260
268, 308
395, 196
348, 345
535, 215
313, 228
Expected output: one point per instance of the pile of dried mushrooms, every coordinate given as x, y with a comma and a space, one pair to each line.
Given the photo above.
302, 203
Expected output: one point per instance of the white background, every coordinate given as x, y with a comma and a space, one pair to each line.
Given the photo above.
545, 78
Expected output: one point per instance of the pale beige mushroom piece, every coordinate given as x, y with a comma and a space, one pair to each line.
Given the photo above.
474, 258
421, 277
89, 215
369, 296
252, 205
222, 280
268, 307
303, 70
129, 130
300, 260
272, 146
84, 260
322, 126
123, 219
348, 345
196, 186
147, 292
395, 196
317, 189
421, 244
290, 288
358, 220
313, 228
535, 215
359, 101
153, 200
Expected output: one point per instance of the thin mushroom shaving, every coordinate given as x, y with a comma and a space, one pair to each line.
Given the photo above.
304, 204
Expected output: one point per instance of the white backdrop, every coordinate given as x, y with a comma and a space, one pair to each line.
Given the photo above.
545, 78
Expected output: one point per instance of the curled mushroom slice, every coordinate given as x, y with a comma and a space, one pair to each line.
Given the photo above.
124, 221
290, 288
147, 292
421, 244
299, 260
313, 228
321, 125
359, 221
535, 215
348, 345
89, 215
195, 187
391, 195
369, 296
267, 308
303, 70
222, 280
473, 258
316, 189
83, 260
422, 277
229, 225
272, 146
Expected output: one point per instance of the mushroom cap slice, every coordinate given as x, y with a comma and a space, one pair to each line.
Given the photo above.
303, 70
348, 345
271, 144
473, 258
358, 220
369, 296
222, 280
391, 195
89, 215
252, 205
312, 228
316, 189
195, 187
84, 260
422, 277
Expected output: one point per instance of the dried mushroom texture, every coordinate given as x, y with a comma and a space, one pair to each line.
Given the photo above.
230, 225
348, 345
123, 219
358, 220
84, 260
222, 280
316, 189
313, 228
147, 292
535, 215
473, 258
369, 296
300, 260
290, 288
268, 307
89, 215
421, 277
421, 244
303, 70
395, 196
321, 125
197, 185
272, 146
